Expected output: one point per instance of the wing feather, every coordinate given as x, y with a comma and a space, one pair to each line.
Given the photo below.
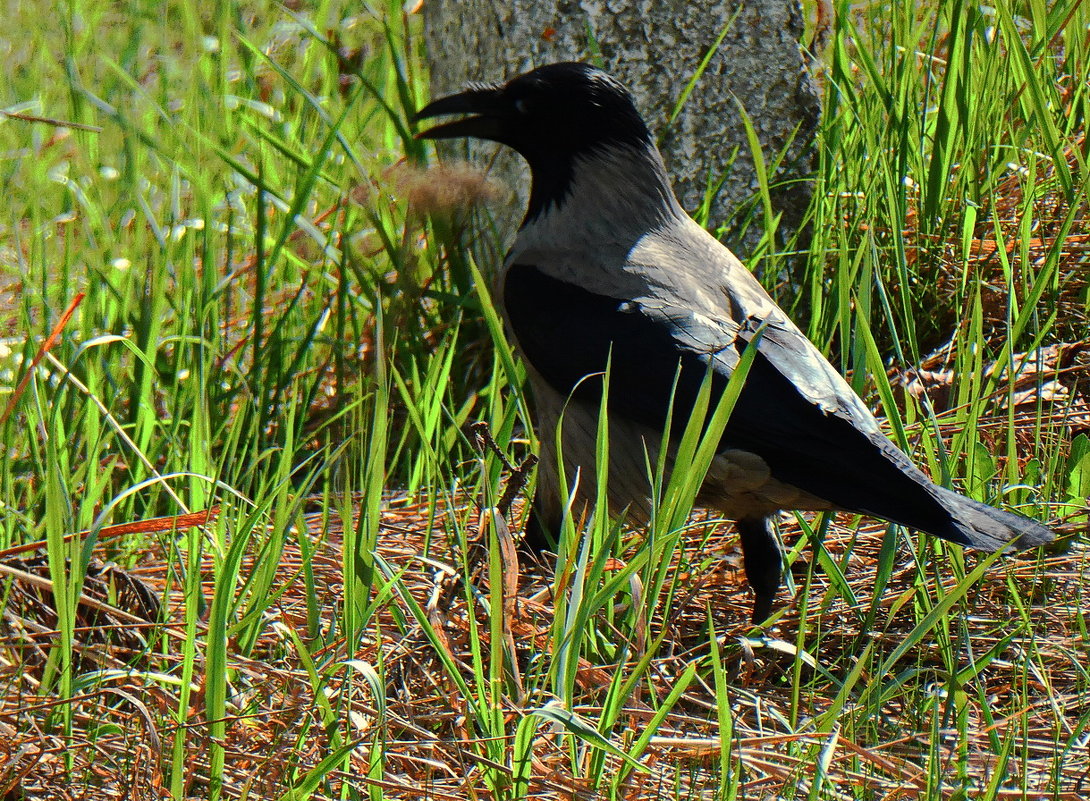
832, 450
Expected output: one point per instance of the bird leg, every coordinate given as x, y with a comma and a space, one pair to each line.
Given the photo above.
763, 562
542, 527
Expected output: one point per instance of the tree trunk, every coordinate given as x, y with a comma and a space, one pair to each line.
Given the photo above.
655, 48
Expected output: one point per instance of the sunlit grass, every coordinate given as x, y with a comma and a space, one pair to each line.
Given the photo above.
281, 325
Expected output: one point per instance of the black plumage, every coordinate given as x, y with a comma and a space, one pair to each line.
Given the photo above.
607, 267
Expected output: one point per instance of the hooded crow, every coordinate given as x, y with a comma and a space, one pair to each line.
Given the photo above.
607, 266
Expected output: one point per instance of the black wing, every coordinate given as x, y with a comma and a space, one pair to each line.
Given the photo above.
567, 333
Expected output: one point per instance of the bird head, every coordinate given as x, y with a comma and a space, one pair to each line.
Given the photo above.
568, 108
551, 116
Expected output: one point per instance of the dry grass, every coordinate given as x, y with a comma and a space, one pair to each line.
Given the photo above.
391, 694
277, 729
429, 750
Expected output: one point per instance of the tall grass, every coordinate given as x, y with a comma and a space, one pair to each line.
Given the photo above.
266, 321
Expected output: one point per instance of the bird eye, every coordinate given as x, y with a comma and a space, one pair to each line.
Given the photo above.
521, 106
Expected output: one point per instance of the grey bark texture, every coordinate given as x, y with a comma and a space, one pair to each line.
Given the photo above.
654, 47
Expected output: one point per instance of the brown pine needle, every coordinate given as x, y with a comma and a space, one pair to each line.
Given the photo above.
168, 523
47, 346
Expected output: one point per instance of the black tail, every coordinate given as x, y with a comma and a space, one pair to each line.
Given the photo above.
981, 526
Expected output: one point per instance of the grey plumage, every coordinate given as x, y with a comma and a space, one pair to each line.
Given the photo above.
607, 264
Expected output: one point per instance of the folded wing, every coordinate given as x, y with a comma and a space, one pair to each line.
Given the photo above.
794, 411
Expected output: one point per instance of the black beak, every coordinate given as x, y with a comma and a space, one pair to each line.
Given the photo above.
483, 103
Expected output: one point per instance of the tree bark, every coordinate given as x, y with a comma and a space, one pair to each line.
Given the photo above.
655, 48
